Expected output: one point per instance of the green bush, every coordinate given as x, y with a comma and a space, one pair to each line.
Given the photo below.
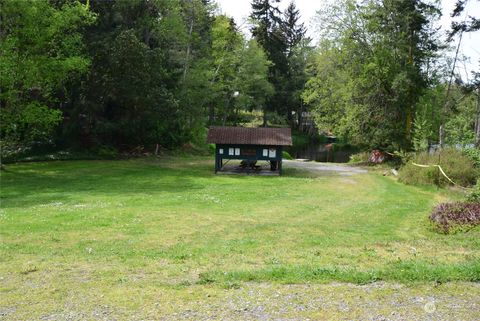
474, 195
361, 157
474, 155
286, 155
455, 164
107, 152
211, 149
401, 157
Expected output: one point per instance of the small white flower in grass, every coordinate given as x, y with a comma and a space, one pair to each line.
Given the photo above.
430, 307
89, 250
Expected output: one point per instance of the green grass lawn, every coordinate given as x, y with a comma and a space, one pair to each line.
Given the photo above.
124, 233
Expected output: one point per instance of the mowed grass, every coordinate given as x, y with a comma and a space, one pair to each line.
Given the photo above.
126, 228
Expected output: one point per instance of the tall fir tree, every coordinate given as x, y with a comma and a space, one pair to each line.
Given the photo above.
294, 30
267, 31
297, 52
282, 36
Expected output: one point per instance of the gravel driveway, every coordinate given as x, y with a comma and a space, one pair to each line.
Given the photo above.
278, 302
326, 167
340, 301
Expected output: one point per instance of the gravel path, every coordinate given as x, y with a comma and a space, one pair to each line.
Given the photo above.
268, 302
340, 301
327, 167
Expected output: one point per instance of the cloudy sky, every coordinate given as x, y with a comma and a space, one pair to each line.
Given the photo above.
240, 10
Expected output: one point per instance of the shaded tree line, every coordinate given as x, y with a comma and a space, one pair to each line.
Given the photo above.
129, 73
123, 73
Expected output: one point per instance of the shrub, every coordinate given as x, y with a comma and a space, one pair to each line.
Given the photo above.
286, 155
211, 149
359, 157
474, 195
402, 157
473, 154
448, 217
455, 164
107, 152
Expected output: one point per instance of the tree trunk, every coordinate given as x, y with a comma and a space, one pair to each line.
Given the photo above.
187, 55
300, 117
211, 114
224, 120
211, 107
441, 135
226, 111
441, 138
477, 121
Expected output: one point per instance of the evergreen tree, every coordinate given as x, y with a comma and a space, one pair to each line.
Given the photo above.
282, 37
470, 25
149, 73
267, 31
266, 17
294, 30
297, 52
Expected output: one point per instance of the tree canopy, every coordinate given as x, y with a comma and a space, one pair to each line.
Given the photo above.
140, 73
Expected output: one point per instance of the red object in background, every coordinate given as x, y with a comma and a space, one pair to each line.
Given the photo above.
377, 157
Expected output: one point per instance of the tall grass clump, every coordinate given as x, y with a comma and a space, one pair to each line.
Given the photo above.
361, 157
459, 167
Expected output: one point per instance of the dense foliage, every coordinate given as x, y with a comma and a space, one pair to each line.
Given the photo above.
449, 217
474, 155
369, 70
38, 62
135, 74
380, 77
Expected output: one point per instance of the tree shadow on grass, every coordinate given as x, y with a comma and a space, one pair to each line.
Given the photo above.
33, 184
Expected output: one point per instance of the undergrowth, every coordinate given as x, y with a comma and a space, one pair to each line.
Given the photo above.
455, 164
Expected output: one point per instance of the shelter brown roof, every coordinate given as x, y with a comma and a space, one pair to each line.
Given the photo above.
250, 136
